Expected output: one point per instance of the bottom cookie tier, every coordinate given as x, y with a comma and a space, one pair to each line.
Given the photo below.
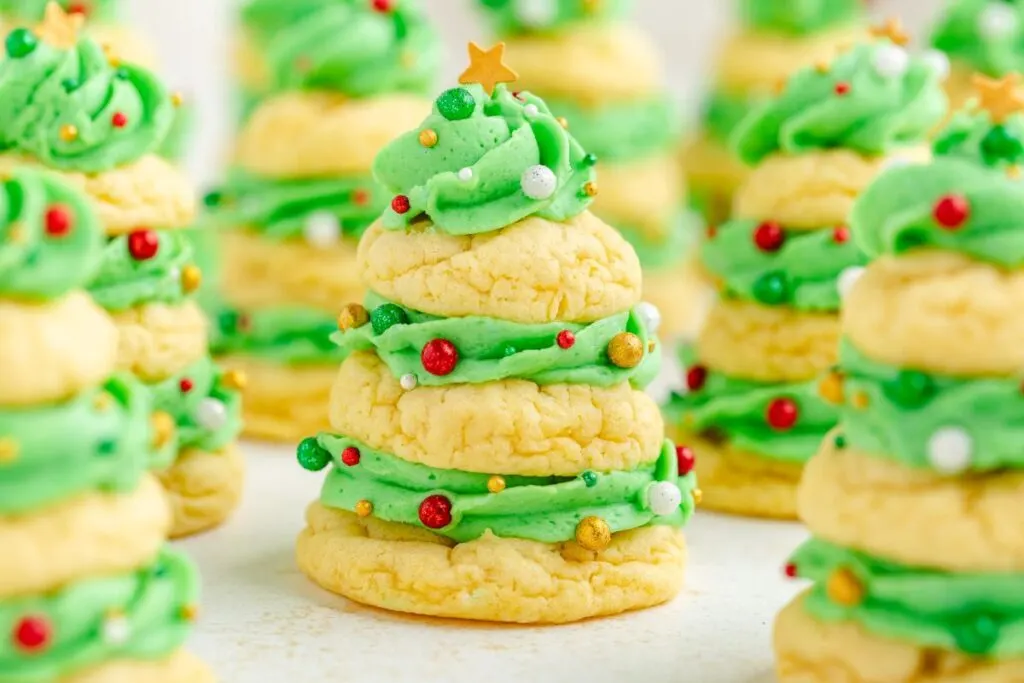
180, 667
811, 651
406, 569
203, 488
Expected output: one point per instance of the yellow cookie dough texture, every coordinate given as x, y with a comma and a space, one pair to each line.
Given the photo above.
148, 193
597, 64
53, 350
741, 483
656, 179
682, 296
534, 271
811, 651
851, 498
408, 569
940, 312
284, 403
513, 426
712, 168
812, 191
768, 344
180, 667
93, 534
314, 134
158, 341
203, 488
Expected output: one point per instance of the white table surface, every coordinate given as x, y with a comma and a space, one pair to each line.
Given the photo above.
264, 622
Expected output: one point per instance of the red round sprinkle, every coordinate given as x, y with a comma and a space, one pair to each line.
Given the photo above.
566, 339
439, 357
361, 197
782, 414
768, 236
711, 232
696, 377
842, 88
381, 5
686, 460
78, 8
185, 385
436, 512
143, 244
790, 571
32, 633
350, 456
400, 204
119, 120
952, 211
58, 220
841, 234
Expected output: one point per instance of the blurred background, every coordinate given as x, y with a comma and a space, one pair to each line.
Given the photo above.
193, 38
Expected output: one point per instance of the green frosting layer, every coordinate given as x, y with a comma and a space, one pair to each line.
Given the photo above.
208, 414
288, 334
668, 253
872, 99
736, 411
109, 451
118, 114
50, 239
512, 17
908, 407
898, 213
724, 111
984, 35
980, 615
533, 508
622, 131
799, 17
506, 144
973, 136
802, 273
491, 349
34, 10
124, 281
284, 209
141, 616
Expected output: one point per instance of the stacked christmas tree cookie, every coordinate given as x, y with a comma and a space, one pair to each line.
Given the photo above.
980, 36
754, 410
65, 107
88, 592
917, 558
492, 455
300, 194
603, 79
776, 38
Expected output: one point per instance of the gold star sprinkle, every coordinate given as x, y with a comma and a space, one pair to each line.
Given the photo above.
60, 29
8, 450
893, 30
1001, 97
487, 67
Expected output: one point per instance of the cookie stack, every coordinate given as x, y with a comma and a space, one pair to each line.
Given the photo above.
755, 410
87, 590
917, 559
776, 38
65, 106
492, 455
349, 77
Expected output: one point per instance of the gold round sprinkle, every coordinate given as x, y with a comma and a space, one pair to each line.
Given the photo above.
234, 379
68, 132
428, 137
844, 588
191, 278
163, 428
190, 612
860, 400
593, 533
563, 122
496, 484
626, 350
352, 316
590, 189
364, 508
698, 496
830, 388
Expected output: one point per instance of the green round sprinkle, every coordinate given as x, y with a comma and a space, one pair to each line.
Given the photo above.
772, 289
228, 322
312, 456
977, 637
21, 42
71, 84
212, 200
840, 441
510, 350
910, 389
386, 316
456, 104
590, 479
1001, 145
590, 159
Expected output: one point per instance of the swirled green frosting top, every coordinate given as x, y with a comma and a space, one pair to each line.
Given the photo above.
481, 162
511, 17
871, 99
984, 35
799, 17
351, 47
124, 280
73, 110
50, 239
980, 615
33, 10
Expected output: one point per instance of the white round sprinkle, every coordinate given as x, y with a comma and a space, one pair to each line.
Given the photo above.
465, 174
651, 316
531, 110
891, 61
322, 229
116, 630
536, 13
211, 414
408, 382
664, 498
998, 20
539, 182
937, 61
847, 279
950, 449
